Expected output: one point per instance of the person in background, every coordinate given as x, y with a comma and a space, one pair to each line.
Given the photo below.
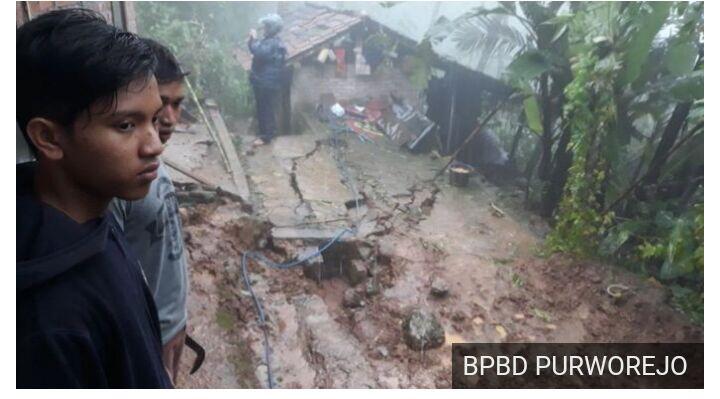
267, 75
87, 104
152, 225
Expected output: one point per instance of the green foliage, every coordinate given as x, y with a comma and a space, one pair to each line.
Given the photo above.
690, 301
420, 65
662, 237
681, 58
532, 114
644, 21
590, 112
605, 78
529, 65
191, 31
487, 36
679, 247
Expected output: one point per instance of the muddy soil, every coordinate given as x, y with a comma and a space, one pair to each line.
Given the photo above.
411, 234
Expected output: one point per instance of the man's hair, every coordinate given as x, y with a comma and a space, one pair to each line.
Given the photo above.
69, 59
168, 69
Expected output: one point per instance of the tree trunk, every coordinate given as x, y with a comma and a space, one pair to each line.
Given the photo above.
529, 169
516, 140
546, 139
670, 135
563, 161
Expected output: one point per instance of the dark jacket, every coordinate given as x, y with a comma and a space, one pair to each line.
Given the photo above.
85, 317
268, 64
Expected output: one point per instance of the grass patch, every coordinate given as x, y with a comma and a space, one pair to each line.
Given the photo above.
517, 281
541, 314
225, 319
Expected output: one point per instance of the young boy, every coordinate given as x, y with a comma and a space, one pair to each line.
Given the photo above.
152, 225
87, 103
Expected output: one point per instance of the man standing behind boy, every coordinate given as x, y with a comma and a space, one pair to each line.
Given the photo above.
87, 103
152, 225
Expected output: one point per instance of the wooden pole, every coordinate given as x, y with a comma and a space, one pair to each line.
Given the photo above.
471, 136
212, 133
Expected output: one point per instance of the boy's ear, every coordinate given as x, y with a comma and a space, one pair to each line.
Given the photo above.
46, 136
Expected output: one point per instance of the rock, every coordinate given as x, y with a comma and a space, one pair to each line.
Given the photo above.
518, 316
550, 327
356, 272
478, 321
502, 333
439, 288
374, 270
459, 316
195, 197
352, 299
248, 231
372, 287
389, 382
383, 351
313, 268
305, 234
365, 252
421, 330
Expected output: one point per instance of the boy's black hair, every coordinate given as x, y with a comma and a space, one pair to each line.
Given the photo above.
68, 59
168, 69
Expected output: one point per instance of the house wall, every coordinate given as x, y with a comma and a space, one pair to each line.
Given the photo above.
312, 81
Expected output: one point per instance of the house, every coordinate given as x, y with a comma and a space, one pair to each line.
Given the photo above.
351, 58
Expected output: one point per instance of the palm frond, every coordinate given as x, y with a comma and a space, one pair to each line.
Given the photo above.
488, 36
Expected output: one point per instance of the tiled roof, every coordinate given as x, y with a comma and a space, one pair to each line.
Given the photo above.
305, 30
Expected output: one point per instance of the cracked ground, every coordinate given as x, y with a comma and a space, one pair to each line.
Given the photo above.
410, 234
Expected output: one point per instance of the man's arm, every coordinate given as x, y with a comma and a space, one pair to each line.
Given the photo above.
63, 359
265, 50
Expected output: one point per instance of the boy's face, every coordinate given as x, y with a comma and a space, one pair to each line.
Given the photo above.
172, 95
114, 153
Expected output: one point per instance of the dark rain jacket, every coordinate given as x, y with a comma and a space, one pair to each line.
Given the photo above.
268, 64
85, 318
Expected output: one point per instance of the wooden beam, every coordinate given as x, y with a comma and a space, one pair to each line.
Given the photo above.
228, 147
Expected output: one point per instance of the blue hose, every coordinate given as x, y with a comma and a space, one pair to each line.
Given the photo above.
260, 258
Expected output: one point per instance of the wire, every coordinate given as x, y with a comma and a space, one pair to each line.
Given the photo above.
262, 259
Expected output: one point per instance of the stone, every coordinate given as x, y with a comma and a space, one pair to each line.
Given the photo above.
195, 197
502, 333
389, 382
313, 268
352, 299
365, 252
478, 321
421, 330
518, 316
372, 287
459, 316
305, 234
356, 272
383, 351
439, 288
